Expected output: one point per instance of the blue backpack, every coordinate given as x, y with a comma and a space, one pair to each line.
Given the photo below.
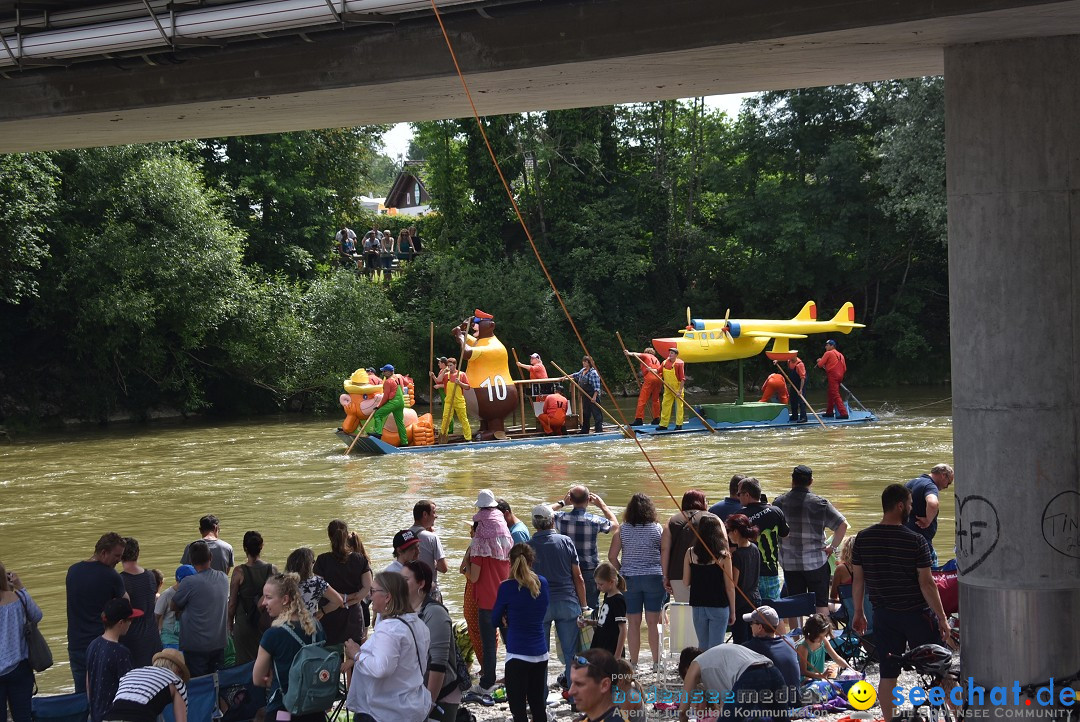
313, 677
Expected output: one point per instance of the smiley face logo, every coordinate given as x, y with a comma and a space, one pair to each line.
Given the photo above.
862, 695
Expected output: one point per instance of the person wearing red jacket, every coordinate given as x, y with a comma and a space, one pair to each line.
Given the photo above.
835, 367
650, 386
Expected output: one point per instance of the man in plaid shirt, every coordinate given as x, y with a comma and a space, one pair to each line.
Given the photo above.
583, 528
804, 556
589, 381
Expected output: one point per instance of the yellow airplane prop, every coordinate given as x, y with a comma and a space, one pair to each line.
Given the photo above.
728, 339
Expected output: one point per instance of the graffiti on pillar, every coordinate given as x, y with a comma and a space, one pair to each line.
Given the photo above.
977, 529
1060, 524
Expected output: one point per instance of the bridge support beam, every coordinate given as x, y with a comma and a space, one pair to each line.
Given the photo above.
1013, 165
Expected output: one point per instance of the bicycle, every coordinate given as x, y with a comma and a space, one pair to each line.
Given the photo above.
936, 667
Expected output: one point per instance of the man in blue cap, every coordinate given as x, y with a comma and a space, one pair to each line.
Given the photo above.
393, 402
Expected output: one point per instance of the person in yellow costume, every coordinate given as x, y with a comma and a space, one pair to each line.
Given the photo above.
674, 373
454, 405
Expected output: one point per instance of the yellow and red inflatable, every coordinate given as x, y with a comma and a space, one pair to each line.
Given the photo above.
362, 398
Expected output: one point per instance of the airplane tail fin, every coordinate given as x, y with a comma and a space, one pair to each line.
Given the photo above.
808, 312
844, 320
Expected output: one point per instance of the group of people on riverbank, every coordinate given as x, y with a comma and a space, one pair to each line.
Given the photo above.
724, 560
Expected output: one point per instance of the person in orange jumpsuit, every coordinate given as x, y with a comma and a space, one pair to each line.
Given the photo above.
774, 387
797, 374
674, 373
650, 386
835, 366
553, 418
536, 370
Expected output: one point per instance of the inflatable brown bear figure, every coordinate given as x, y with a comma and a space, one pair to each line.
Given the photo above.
488, 370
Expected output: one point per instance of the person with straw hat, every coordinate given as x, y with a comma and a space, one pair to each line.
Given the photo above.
145, 692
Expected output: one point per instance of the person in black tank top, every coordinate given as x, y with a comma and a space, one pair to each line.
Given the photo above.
708, 572
746, 565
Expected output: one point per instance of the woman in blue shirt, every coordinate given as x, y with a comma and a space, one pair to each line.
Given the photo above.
522, 603
16, 677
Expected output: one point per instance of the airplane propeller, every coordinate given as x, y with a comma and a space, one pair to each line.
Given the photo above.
688, 324
726, 328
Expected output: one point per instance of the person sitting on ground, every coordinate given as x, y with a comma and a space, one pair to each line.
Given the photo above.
319, 597
768, 640
813, 648
145, 692
106, 659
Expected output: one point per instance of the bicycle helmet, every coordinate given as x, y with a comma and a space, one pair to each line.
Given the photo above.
930, 659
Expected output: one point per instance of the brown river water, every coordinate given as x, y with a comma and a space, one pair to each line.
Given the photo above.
287, 477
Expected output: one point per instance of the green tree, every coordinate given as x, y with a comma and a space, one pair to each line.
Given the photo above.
292, 190
27, 205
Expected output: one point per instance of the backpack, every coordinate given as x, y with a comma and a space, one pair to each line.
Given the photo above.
463, 677
313, 677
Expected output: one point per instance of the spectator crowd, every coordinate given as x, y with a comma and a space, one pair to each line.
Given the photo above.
133, 644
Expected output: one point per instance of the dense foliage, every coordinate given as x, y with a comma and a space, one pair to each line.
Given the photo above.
201, 275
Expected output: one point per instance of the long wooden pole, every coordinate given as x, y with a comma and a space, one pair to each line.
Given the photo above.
431, 370
448, 405
521, 391
359, 433
796, 390
683, 400
633, 371
628, 432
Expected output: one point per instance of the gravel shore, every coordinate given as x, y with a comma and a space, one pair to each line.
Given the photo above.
559, 710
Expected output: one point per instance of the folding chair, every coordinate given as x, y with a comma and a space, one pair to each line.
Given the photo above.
60, 708
676, 633
857, 649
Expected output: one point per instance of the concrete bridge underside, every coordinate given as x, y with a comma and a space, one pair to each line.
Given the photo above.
1013, 161
535, 55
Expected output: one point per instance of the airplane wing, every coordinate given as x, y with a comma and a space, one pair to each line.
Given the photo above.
771, 334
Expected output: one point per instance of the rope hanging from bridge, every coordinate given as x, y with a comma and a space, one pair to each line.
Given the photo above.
559, 297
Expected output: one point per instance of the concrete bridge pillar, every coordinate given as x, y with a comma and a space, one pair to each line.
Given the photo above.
1013, 166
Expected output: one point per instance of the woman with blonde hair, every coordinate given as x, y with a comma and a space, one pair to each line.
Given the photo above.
522, 603
293, 627
16, 676
388, 671
145, 692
